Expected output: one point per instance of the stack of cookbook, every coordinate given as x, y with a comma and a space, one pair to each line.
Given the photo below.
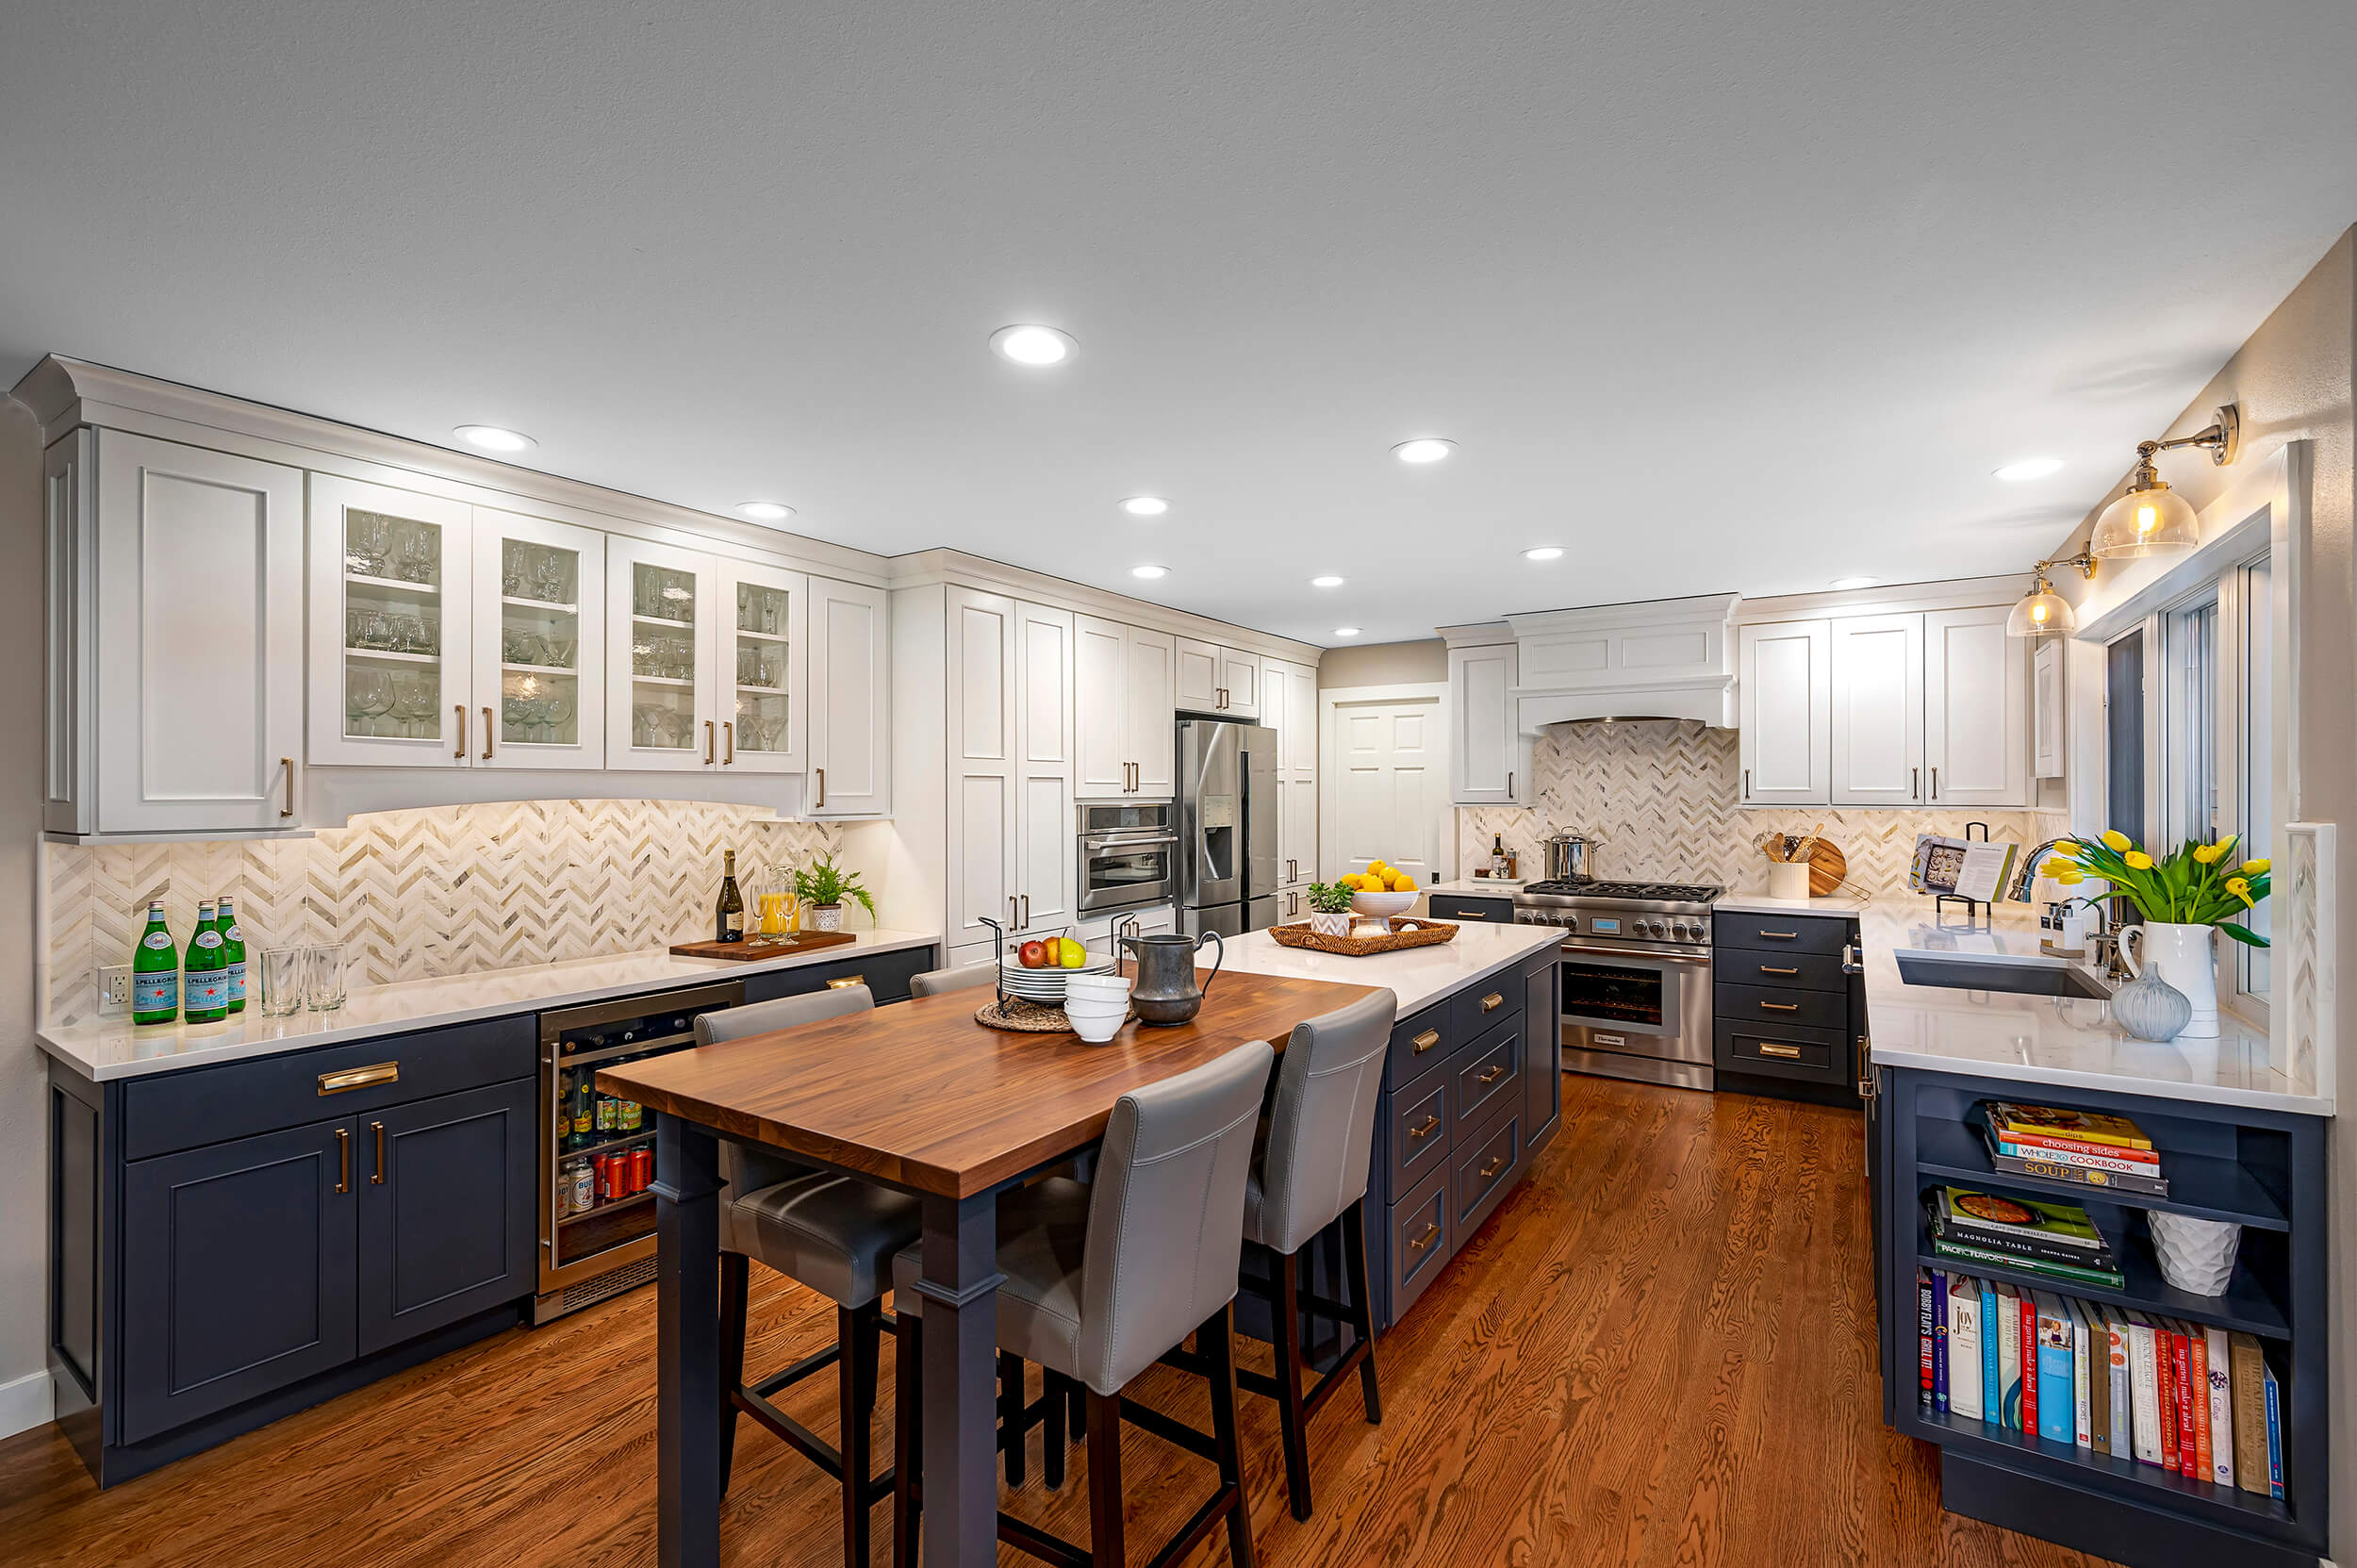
2054, 1241
2082, 1146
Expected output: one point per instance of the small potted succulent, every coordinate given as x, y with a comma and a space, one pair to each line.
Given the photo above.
824, 888
1329, 909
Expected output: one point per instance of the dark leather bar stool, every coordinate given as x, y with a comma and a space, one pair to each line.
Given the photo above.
934, 981
1099, 1281
832, 1232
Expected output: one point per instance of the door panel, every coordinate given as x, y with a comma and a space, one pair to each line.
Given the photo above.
446, 1211
539, 627
1487, 769
851, 667
662, 695
982, 713
763, 657
1196, 683
1977, 719
1877, 669
237, 1273
1150, 715
1785, 701
1100, 684
1239, 678
1046, 854
390, 620
1390, 799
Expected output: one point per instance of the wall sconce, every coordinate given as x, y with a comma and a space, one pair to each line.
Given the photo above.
2044, 612
2153, 520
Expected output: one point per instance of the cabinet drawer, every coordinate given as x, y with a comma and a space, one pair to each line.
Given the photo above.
885, 974
1483, 1172
176, 1110
1488, 1072
1789, 972
1421, 1239
1802, 934
1420, 1042
1419, 1131
1486, 1004
1757, 1007
1457, 906
1780, 1051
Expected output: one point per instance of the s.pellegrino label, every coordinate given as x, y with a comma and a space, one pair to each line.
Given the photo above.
233, 956
155, 972
207, 975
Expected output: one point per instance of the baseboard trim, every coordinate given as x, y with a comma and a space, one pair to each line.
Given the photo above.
24, 1403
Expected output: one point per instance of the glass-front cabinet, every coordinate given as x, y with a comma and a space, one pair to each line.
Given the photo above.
761, 653
389, 651
539, 642
662, 702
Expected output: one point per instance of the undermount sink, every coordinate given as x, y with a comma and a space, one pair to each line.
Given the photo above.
1985, 974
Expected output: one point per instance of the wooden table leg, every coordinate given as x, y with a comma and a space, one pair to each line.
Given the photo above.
687, 1345
959, 1285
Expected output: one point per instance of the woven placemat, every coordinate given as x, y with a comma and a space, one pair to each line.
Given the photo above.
1022, 1017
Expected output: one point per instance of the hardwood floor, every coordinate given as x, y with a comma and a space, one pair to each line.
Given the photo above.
1660, 1351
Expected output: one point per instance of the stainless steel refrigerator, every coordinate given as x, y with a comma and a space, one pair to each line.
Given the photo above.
1226, 827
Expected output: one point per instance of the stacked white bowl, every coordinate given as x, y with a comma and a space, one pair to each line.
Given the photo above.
1097, 1005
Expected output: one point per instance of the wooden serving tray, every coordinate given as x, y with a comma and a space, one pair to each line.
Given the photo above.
762, 947
1408, 930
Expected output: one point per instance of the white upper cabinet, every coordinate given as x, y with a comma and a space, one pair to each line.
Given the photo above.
663, 697
1240, 683
1491, 762
1976, 739
1196, 683
1785, 699
537, 617
390, 620
186, 568
850, 674
1877, 668
764, 661
2045, 710
983, 697
1124, 680
1289, 700
1046, 850
1151, 715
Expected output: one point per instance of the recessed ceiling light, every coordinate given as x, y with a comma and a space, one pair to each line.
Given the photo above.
1424, 449
1854, 581
1150, 573
1545, 552
2029, 468
491, 438
1033, 345
766, 511
1345, 631
1325, 582
1145, 505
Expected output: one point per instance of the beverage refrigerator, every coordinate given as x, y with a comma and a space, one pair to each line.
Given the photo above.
597, 1154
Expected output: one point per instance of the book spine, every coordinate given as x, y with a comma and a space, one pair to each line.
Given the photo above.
1923, 1333
2082, 1393
1940, 1340
2040, 1132
2145, 1394
2045, 1267
2181, 1369
2025, 1138
2251, 1416
2030, 1390
2118, 1431
2198, 1359
1992, 1391
2221, 1408
2275, 1433
2023, 1247
2056, 1398
2008, 1359
2053, 1170
2164, 1392
1964, 1348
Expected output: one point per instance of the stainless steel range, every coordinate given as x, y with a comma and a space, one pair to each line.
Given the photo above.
1636, 976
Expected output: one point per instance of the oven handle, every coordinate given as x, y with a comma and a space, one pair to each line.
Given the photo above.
1632, 953
1142, 841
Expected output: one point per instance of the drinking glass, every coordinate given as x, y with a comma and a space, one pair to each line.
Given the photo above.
549, 577
323, 977
554, 715
282, 981
369, 693
512, 578
369, 538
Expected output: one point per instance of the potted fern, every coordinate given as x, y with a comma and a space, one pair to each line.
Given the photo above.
823, 887
1329, 909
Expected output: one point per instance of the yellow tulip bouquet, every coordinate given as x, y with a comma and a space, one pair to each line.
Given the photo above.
2197, 886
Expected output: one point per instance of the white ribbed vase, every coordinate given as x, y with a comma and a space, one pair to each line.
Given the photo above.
2184, 953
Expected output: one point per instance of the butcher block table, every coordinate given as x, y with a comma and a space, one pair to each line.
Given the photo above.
918, 1097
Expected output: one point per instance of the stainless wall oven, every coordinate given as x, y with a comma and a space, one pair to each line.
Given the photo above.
1128, 859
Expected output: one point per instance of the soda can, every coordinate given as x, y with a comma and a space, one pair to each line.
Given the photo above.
585, 1181
605, 1178
642, 1168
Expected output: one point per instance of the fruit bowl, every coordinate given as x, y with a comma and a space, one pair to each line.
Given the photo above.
1382, 903
1046, 985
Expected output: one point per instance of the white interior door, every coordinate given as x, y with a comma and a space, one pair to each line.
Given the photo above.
1877, 669
982, 751
1785, 704
1390, 794
851, 671
538, 621
1045, 852
662, 695
763, 663
1149, 717
391, 622
1976, 729
1100, 686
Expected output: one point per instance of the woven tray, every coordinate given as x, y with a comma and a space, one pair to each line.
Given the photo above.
1019, 1017
1406, 932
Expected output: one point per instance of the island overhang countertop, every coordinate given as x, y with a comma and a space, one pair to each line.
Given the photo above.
1418, 976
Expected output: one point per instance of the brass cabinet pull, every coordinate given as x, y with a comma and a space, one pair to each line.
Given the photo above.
1769, 1048
359, 1078
378, 1179
1429, 1125
1494, 1167
844, 983
712, 750
1469, 914
1431, 1233
1492, 1002
823, 787
490, 731
1426, 1041
343, 1159
1491, 1076
1770, 969
1782, 935
1781, 1006
288, 763
728, 735
461, 752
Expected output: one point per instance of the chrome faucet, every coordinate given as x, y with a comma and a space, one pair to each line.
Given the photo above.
2018, 890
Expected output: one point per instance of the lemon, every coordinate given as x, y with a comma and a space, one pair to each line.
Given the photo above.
1376, 868
1403, 883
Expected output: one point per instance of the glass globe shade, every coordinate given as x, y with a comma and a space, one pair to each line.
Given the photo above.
2042, 613
2153, 522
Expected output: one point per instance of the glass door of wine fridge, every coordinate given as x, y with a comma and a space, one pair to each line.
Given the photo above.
597, 1153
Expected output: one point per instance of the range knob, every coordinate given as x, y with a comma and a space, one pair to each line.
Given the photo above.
1648, 928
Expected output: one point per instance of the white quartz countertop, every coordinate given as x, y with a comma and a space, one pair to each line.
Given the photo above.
2060, 1040
116, 1048
1496, 887
1418, 976
1760, 903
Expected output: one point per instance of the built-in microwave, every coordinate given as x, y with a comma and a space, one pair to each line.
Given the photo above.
1128, 857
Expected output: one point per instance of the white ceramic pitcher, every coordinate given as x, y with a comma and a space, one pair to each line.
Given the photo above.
2184, 953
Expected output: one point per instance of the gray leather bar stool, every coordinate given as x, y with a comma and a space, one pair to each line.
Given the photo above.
1100, 1280
1310, 1169
934, 983
835, 1233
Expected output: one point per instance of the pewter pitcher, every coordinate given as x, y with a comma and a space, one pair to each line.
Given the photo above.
1164, 991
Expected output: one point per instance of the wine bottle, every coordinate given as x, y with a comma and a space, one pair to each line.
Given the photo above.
155, 972
730, 914
232, 955
205, 984
1497, 854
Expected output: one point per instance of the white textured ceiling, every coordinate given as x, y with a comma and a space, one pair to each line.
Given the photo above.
1723, 296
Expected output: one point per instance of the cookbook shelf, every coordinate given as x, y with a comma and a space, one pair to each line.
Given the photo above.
2245, 1306
2201, 1185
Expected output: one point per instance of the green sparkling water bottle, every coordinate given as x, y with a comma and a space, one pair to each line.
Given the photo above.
232, 954
204, 973
155, 972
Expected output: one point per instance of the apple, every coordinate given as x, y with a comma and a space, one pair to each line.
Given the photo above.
1032, 955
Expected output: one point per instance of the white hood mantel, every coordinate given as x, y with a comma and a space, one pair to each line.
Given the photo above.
1665, 658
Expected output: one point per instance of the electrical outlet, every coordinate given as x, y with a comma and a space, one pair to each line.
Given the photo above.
114, 989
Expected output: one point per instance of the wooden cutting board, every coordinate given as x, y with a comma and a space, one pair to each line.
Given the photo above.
1827, 867
756, 946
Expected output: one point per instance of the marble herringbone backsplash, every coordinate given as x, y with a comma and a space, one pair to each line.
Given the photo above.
413, 894
1660, 795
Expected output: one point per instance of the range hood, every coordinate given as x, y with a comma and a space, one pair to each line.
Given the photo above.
1665, 658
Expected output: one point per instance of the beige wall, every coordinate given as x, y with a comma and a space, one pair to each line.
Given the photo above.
1385, 664
2294, 380
24, 1193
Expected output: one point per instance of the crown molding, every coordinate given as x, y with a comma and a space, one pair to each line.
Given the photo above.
925, 568
1954, 593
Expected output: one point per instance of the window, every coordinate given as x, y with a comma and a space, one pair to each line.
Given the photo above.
2189, 737
2256, 742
